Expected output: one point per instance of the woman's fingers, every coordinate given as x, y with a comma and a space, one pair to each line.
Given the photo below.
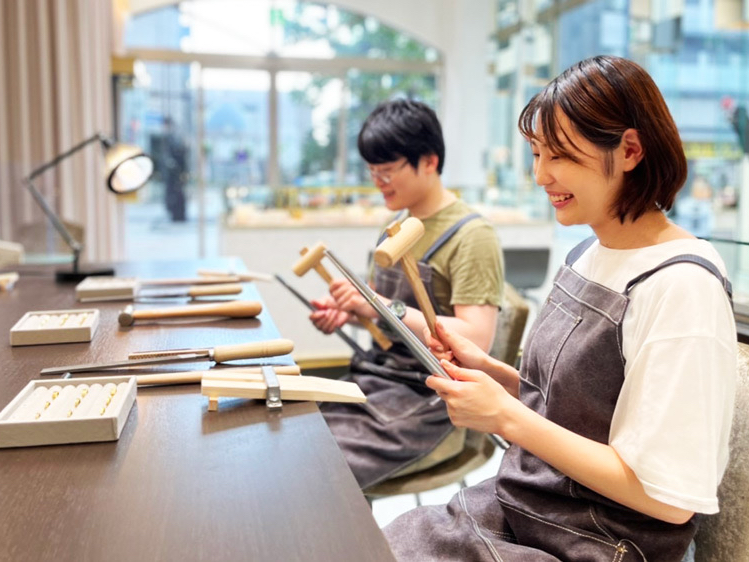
435, 345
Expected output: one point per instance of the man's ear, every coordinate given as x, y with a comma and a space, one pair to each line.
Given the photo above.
431, 162
632, 149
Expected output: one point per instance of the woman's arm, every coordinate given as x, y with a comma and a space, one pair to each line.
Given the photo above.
476, 400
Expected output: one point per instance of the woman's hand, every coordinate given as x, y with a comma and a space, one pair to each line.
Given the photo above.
348, 298
328, 317
473, 398
451, 346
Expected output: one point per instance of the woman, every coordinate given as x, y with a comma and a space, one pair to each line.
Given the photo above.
621, 412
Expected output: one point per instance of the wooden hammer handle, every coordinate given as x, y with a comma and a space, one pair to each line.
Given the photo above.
233, 309
411, 269
324, 273
377, 334
209, 290
268, 348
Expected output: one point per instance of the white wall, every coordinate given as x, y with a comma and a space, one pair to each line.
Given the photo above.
460, 30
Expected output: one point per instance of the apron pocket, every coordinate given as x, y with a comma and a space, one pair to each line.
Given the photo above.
556, 324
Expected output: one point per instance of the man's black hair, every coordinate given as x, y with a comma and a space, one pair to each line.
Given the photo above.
401, 128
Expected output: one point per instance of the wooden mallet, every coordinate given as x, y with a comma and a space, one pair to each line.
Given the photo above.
397, 247
312, 259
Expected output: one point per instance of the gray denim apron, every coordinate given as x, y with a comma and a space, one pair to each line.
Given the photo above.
402, 420
572, 372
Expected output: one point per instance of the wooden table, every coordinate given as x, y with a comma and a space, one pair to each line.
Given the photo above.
181, 483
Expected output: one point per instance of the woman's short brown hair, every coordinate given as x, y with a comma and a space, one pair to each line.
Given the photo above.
602, 97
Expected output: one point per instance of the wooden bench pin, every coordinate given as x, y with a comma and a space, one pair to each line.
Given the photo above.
275, 387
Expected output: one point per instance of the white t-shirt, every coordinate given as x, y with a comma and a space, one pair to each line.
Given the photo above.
673, 416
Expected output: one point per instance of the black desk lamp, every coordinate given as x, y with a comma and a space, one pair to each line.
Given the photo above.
127, 169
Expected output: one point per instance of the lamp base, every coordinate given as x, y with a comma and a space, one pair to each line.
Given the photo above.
79, 274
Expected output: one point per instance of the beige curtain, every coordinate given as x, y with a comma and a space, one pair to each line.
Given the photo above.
55, 91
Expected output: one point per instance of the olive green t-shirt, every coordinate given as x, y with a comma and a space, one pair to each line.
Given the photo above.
468, 268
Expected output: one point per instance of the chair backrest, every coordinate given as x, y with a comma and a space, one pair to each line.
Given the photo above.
724, 537
510, 326
526, 268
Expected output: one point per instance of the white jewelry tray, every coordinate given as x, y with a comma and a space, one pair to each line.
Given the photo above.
59, 430
104, 286
55, 326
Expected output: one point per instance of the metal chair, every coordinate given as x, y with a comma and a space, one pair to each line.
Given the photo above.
463, 450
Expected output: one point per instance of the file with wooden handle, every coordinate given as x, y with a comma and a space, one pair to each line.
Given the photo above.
219, 354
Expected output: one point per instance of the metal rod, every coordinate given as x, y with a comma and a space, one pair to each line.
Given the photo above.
412, 342
124, 364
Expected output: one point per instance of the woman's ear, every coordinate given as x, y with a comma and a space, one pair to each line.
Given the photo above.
632, 149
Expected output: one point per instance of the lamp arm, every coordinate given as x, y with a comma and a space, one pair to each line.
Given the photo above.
59, 158
52, 216
76, 246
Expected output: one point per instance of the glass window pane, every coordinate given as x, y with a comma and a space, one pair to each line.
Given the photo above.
286, 28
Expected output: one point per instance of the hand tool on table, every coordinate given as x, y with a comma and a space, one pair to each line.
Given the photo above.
312, 259
217, 354
417, 347
243, 275
195, 377
232, 309
189, 292
343, 335
202, 280
397, 247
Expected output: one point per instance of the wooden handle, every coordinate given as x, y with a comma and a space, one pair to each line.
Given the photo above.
209, 290
377, 334
243, 276
195, 377
324, 273
411, 269
268, 348
233, 309
311, 259
190, 281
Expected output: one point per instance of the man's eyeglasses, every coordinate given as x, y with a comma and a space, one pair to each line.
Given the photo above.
386, 177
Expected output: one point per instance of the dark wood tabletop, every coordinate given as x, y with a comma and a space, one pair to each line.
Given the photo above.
181, 483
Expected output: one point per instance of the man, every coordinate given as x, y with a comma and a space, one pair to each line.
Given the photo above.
460, 263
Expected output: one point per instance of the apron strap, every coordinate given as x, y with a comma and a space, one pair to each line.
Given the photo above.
445, 236
578, 250
685, 258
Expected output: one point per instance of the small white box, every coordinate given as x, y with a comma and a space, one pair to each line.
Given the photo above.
61, 429
40, 327
104, 287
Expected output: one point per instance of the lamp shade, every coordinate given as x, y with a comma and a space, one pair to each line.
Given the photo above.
127, 168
